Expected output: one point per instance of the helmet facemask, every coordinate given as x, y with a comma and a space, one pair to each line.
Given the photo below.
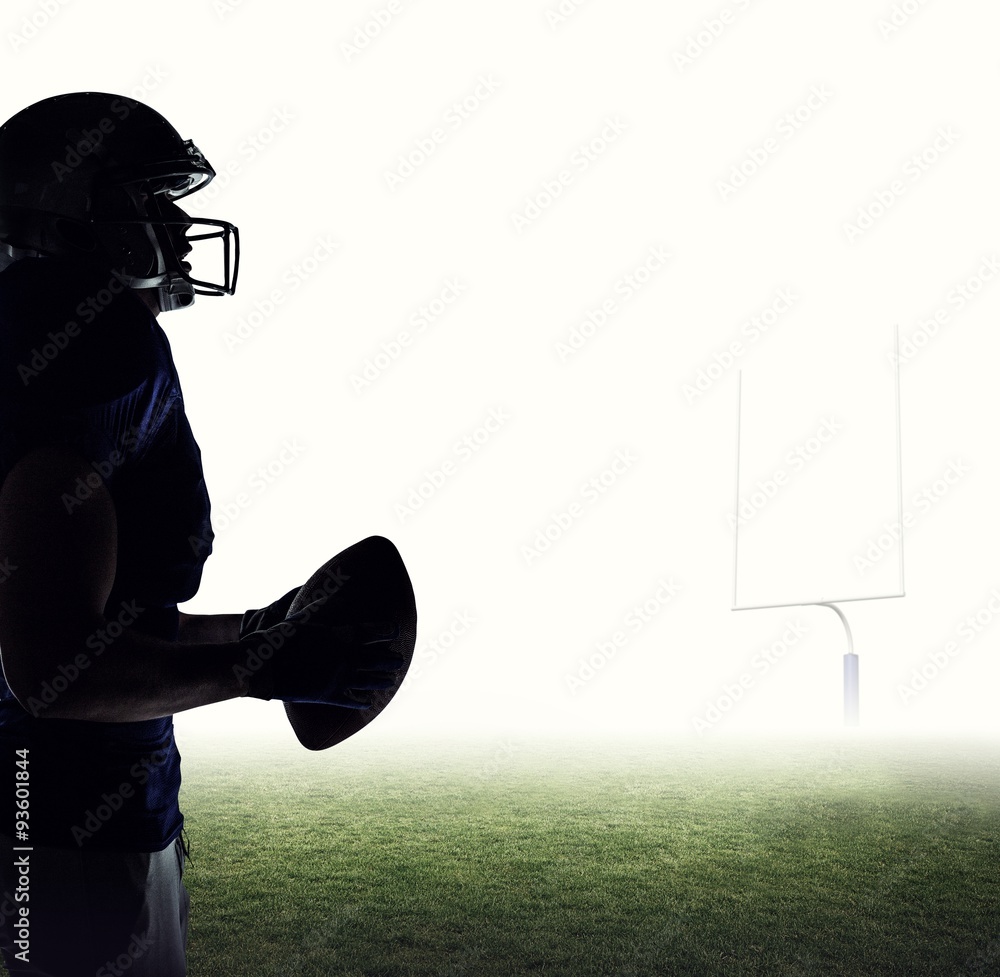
162, 247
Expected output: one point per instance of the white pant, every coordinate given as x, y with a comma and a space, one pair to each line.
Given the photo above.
95, 913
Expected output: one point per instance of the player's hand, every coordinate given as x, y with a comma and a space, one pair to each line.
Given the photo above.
267, 617
300, 660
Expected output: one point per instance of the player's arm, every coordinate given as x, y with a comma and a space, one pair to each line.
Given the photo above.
203, 628
61, 563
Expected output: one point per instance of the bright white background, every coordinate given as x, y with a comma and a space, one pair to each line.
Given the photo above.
303, 126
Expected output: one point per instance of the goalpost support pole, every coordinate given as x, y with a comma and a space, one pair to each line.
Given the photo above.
850, 689
850, 670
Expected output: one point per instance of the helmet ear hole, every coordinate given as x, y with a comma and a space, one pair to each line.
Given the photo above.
76, 235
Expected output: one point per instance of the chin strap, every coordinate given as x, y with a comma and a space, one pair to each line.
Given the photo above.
8, 256
176, 295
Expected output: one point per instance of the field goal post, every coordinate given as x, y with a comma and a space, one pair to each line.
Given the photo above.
851, 671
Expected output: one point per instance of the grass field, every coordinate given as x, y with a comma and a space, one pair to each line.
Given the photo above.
505, 858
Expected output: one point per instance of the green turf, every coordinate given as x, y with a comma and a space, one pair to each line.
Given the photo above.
502, 858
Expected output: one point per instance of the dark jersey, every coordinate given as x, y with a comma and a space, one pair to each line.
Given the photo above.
83, 363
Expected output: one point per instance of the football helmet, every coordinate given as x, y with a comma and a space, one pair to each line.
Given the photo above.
98, 176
